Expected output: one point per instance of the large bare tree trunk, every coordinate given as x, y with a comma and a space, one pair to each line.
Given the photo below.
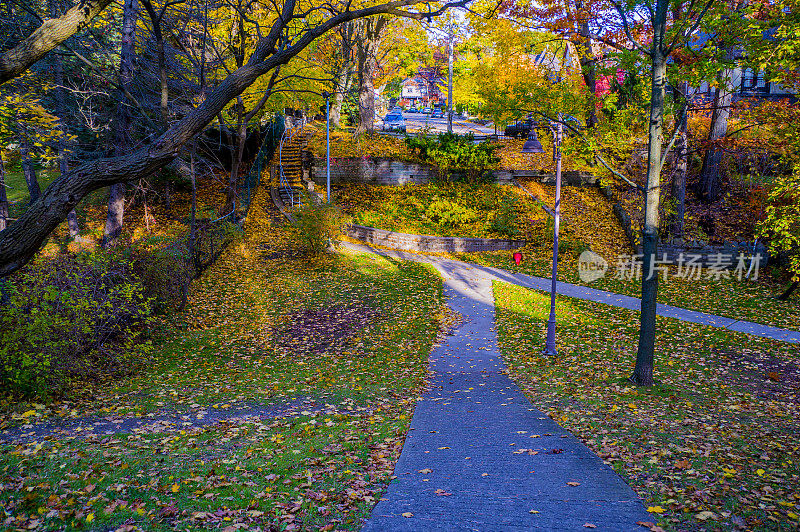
28, 167
122, 133
643, 371
709, 175
368, 40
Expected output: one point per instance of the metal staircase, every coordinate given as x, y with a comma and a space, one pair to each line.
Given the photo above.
290, 165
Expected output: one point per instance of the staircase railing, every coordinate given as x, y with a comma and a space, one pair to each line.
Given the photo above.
287, 136
263, 157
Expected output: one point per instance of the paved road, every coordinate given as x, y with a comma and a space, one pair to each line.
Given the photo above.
416, 121
479, 457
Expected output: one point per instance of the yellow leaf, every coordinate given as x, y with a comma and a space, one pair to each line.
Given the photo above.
29, 413
656, 510
791, 515
175, 488
760, 472
705, 515
90, 518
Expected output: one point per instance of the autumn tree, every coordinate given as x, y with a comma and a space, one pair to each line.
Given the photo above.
289, 30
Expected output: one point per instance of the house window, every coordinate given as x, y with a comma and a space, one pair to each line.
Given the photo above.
754, 82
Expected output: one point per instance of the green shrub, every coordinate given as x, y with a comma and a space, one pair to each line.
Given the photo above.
453, 152
69, 317
505, 219
317, 224
449, 213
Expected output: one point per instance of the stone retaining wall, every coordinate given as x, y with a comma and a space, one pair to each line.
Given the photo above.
428, 243
374, 171
386, 171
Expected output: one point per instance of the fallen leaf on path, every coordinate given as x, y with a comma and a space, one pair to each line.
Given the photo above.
407, 514
573, 484
443, 493
589, 525
425, 471
652, 526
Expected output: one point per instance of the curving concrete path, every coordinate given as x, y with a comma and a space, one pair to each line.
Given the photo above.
455, 267
478, 456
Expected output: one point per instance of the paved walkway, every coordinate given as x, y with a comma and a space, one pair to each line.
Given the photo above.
590, 294
479, 457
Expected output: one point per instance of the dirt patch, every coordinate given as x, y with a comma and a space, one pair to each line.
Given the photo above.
763, 375
325, 329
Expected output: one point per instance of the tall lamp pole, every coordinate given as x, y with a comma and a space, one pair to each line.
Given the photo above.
327, 97
532, 145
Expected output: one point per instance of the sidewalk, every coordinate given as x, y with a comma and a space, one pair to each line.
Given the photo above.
478, 456
590, 294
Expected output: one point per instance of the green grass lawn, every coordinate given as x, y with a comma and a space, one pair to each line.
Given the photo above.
17, 189
264, 326
712, 446
743, 300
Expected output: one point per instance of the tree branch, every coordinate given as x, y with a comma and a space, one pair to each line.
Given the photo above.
50, 34
20, 241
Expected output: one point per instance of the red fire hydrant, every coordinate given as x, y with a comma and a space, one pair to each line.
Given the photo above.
518, 258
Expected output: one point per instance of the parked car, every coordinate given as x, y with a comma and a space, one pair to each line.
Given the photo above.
518, 129
437, 113
394, 122
427, 110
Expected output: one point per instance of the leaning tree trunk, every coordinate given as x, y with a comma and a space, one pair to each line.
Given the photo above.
121, 136
709, 182
643, 371
28, 168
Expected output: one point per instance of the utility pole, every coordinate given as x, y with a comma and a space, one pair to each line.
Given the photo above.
450, 86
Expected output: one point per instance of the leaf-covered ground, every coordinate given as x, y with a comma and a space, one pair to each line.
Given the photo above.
713, 446
308, 368
344, 144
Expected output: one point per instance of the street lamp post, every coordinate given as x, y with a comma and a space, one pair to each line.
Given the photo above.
532, 145
327, 97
